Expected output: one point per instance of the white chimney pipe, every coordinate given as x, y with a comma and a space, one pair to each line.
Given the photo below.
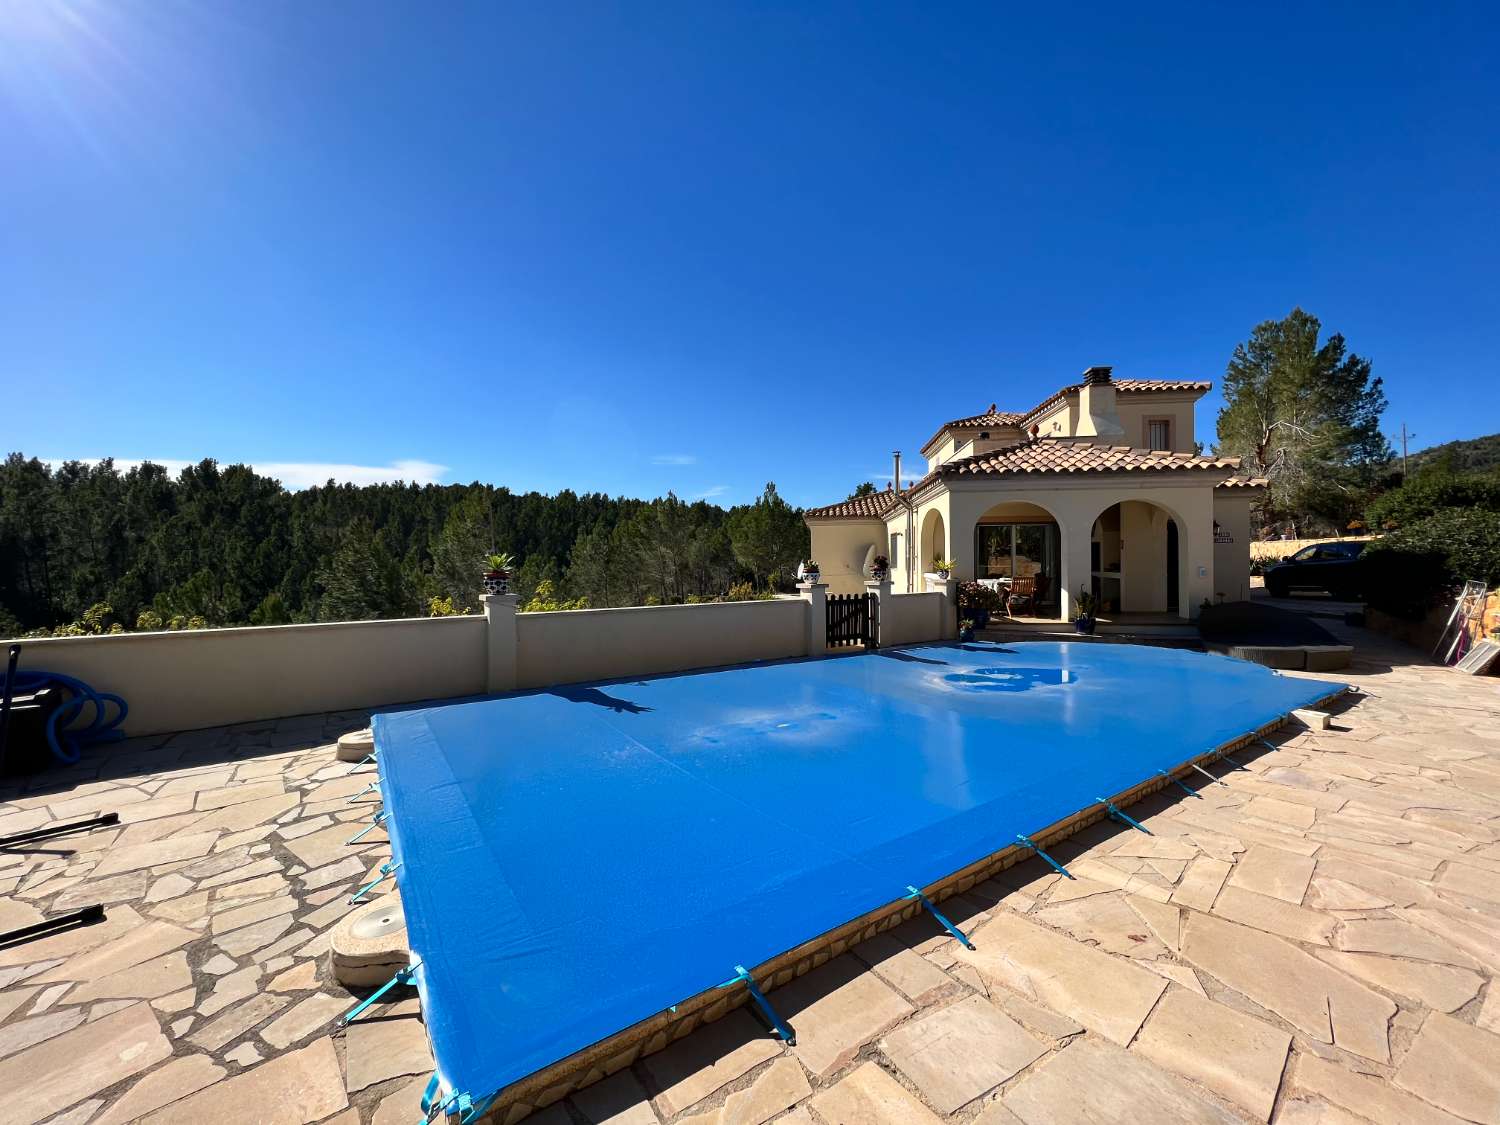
896, 472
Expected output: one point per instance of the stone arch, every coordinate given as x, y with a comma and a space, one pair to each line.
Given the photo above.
1029, 509
933, 541
1141, 585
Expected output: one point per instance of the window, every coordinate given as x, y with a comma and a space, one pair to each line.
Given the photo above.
896, 563
1019, 550
1158, 433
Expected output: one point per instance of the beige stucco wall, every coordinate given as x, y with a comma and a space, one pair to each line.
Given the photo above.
840, 547
912, 618
209, 677
1232, 559
1134, 409
600, 644
1143, 558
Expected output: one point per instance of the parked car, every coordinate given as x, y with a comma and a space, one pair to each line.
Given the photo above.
1333, 567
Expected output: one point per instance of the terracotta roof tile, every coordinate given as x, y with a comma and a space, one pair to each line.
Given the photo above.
988, 418
1059, 455
856, 508
993, 417
1243, 482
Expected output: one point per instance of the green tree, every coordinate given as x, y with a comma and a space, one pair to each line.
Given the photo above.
769, 537
865, 488
1304, 415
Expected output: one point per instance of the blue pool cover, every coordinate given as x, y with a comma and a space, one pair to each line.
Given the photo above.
573, 861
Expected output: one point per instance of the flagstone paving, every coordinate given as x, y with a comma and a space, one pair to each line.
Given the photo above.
1313, 938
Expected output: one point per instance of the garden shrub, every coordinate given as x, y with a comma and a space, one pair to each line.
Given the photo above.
1413, 568
971, 596
1421, 496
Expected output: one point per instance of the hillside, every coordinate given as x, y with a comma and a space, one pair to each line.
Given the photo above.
1467, 456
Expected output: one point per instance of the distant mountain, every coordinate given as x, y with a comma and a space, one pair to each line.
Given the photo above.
1468, 456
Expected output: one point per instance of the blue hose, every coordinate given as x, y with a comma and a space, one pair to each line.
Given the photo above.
68, 743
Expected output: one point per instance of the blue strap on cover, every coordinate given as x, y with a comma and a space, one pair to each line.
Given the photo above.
1211, 777
943, 921
1117, 814
742, 974
366, 760
1059, 868
375, 822
403, 976
1178, 783
386, 871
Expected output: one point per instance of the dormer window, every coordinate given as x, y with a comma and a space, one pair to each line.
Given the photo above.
1159, 433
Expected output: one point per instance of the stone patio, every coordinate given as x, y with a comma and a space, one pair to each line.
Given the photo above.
1313, 940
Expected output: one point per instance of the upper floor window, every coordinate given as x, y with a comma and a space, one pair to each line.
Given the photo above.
1159, 433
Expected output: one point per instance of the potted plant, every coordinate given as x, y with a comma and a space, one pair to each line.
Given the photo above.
978, 602
966, 630
497, 574
1083, 612
880, 566
811, 572
942, 567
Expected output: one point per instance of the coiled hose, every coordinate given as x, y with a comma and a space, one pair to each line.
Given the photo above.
67, 742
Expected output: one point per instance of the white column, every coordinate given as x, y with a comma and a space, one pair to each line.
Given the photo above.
815, 594
1077, 564
500, 617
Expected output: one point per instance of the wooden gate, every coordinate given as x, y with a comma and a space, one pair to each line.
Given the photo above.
853, 619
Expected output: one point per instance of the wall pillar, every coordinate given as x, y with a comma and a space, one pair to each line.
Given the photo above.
1077, 564
815, 594
947, 615
880, 590
500, 618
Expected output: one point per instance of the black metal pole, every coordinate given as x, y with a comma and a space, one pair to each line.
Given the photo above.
10, 688
101, 821
85, 917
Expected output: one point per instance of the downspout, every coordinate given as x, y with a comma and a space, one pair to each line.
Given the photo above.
911, 546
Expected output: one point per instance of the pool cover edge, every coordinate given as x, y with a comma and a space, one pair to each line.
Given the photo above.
620, 1048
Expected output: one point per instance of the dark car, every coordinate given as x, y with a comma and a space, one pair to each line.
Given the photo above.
1323, 566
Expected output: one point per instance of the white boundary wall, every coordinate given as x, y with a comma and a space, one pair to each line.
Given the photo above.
606, 644
209, 677
212, 677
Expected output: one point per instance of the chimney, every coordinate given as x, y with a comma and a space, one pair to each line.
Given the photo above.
896, 470
1098, 416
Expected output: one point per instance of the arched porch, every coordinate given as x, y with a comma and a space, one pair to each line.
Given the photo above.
1019, 539
1137, 563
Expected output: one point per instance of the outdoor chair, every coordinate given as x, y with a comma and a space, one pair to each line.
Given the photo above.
1022, 592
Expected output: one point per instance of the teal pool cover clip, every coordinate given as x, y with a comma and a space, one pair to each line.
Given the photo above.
386, 871
1179, 784
741, 974
362, 792
375, 822
1059, 868
936, 913
462, 1108
1118, 815
403, 976
365, 761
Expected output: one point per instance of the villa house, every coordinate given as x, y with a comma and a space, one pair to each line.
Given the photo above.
1098, 488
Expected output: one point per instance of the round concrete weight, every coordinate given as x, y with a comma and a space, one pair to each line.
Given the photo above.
369, 945
356, 745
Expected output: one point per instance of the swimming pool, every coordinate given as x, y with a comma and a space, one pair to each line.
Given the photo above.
573, 861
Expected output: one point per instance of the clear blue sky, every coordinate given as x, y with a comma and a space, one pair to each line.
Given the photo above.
637, 247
